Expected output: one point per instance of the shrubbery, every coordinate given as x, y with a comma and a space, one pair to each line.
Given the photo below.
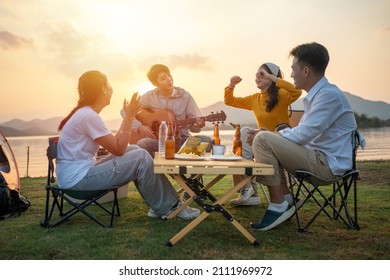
363, 121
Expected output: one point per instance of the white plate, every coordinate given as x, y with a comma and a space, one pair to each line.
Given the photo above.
179, 156
222, 157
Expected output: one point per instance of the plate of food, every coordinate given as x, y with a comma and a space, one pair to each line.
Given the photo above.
190, 156
225, 157
193, 145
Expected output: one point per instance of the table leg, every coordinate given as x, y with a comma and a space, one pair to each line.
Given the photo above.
197, 177
235, 223
218, 203
183, 186
188, 228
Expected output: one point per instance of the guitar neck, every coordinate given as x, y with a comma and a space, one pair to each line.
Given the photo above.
186, 121
210, 118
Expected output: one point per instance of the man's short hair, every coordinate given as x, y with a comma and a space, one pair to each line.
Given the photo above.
314, 55
155, 70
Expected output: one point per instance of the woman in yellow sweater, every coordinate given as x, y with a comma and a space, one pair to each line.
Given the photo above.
270, 107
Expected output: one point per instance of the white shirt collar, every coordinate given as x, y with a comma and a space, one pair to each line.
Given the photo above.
313, 91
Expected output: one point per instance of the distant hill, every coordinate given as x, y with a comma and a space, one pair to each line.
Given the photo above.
234, 115
378, 109
360, 106
17, 127
35, 127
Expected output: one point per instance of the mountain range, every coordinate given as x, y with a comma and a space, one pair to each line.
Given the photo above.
18, 127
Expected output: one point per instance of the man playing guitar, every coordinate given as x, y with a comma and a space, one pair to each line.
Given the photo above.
165, 99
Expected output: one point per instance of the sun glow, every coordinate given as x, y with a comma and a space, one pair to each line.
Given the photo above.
119, 24
145, 87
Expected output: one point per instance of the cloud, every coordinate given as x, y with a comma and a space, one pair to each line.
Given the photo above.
69, 44
76, 52
9, 41
384, 31
191, 61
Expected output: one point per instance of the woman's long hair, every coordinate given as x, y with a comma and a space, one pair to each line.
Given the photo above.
90, 86
272, 90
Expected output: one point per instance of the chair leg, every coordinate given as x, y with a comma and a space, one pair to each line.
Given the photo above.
115, 206
111, 213
341, 190
310, 193
357, 227
345, 187
295, 199
45, 222
57, 202
58, 197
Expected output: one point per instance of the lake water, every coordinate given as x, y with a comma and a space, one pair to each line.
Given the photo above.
377, 148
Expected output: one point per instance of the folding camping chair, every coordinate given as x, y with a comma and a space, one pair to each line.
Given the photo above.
333, 201
70, 202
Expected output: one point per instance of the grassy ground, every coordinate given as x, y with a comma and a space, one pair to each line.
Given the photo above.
136, 236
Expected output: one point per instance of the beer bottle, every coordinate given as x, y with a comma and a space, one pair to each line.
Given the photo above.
216, 139
177, 138
237, 144
170, 143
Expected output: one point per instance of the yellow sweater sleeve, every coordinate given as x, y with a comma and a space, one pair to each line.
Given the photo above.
238, 102
287, 92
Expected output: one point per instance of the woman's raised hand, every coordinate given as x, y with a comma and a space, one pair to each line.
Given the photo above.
234, 81
132, 108
267, 76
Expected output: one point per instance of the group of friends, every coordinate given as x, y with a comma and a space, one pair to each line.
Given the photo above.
320, 143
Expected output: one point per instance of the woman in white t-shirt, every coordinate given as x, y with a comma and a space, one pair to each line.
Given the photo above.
83, 131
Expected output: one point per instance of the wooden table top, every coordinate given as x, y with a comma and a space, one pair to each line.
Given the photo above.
211, 166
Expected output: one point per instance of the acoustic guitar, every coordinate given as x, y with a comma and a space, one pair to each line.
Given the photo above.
153, 120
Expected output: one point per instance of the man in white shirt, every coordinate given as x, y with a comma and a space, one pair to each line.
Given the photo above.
321, 143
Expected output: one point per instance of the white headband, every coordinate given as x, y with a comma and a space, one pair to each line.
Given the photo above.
273, 67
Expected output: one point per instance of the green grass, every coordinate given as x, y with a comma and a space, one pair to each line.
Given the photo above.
136, 236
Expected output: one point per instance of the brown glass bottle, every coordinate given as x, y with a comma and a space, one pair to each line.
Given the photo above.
237, 144
177, 138
170, 143
216, 139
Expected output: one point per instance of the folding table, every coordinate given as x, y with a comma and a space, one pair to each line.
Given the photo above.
178, 169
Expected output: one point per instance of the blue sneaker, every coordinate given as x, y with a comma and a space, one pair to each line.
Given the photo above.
272, 218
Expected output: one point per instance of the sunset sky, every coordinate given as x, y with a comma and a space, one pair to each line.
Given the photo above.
46, 45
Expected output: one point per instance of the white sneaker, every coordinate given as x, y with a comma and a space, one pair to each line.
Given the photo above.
253, 200
187, 213
153, 214
246, 197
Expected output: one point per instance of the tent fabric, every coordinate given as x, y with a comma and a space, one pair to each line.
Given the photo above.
8, 165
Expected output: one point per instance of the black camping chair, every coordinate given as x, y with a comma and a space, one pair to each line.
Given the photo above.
332, 201
70, 202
